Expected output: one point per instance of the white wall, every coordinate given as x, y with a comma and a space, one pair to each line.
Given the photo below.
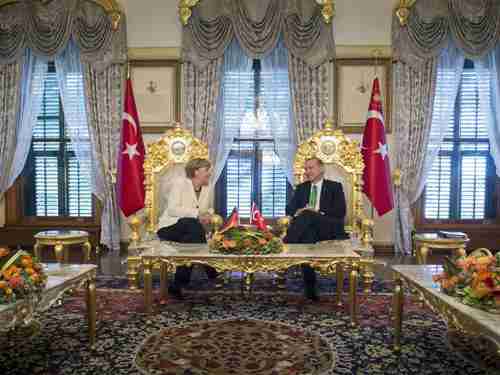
153, 28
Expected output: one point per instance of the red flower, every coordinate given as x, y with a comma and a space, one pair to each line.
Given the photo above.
16, 282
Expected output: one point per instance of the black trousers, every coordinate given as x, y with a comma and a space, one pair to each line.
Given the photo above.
311, 227
186, 230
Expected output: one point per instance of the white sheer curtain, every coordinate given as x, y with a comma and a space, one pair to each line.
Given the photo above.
450, 68
32, 84
232, 104
278, 106
70, 79
488, 70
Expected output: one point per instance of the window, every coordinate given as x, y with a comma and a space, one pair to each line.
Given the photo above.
57, 184
253, 172
462, 179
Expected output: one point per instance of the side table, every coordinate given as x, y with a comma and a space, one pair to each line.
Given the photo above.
61, 239
424, 242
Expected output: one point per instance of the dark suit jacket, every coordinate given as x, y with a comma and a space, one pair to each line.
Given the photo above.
332, 202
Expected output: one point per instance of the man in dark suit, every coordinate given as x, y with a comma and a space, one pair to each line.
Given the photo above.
318, 208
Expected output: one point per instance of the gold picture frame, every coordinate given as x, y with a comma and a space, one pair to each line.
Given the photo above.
353, 87
157, 92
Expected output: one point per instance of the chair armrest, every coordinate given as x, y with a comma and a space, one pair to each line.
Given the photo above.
281, 227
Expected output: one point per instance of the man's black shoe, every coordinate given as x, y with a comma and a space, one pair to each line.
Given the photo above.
175, 292
311, 293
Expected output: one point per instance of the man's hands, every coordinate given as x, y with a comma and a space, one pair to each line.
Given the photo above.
301, 210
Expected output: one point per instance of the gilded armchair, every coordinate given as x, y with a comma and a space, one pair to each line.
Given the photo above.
165, 160
343, 163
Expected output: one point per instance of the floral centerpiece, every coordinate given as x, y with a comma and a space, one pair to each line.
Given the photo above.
20, 276
245, 241
474, 279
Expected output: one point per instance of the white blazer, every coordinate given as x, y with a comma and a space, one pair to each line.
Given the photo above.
182, 202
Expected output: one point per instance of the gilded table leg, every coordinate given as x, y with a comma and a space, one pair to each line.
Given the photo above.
163, 280
398, 312
340, 283
424, 251
368, 277
36, 250
87, 248
281, 280
58, 249
248, 282
353, 294
132, 273
91, 311
148, 285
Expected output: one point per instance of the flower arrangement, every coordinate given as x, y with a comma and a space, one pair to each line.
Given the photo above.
245, 241
20, 276
474, 279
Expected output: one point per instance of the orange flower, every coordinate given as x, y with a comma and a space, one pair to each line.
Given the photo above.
229, 244
3, 252
35, 277
30, 271
262, 241
247, 242
26, 261
3, 284
12, 271
268, 235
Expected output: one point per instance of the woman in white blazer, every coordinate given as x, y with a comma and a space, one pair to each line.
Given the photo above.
189, 204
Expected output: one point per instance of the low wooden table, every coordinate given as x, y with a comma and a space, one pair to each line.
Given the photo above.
424, 242
60, 279
322, 258
61, 239
476, 323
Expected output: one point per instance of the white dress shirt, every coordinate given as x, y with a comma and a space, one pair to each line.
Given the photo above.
183, 202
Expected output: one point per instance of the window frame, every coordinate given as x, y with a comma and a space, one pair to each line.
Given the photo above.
492, 203
16, 197
256, 160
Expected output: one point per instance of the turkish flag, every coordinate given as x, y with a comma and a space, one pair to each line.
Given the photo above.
257, 218
232, 222
130, 181
377, 173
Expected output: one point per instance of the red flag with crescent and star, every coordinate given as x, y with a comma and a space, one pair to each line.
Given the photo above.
130, 181
377, 173
257, 218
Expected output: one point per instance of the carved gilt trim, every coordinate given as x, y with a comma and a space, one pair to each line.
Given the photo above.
185, 10
327, 9
403, 11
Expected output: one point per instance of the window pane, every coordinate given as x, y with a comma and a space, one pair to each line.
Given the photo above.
473, 121
273, 183
239, 178
463, 158
473, 187
46, 186
79, 191
61, 187
438, 189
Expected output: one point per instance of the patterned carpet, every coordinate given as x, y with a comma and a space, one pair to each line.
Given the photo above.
62, 348
235, 346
